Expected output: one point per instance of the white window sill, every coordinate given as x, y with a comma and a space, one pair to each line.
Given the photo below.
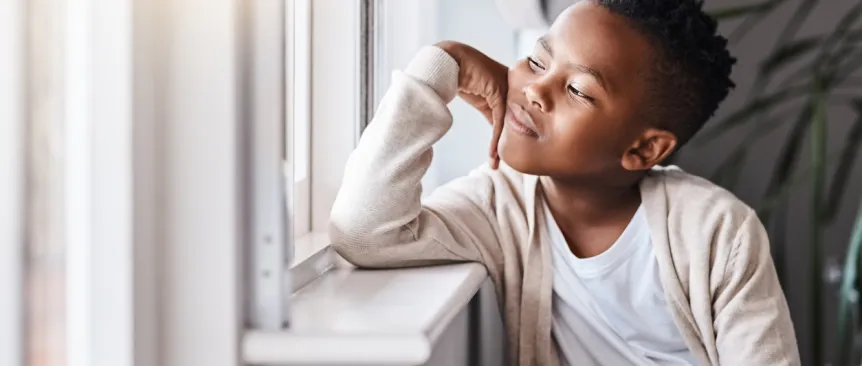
308, 244
379, 317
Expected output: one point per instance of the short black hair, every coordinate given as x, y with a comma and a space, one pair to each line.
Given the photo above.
692, 70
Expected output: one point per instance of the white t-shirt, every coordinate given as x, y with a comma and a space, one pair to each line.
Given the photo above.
610, 309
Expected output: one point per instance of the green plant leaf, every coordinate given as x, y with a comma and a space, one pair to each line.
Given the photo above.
771, 124
789, 53
841, 64
819, 129
743, 10
762, 129
788, 156
753, 108
846, 162
832, 63
849, 293
800, 15
746, 26
847, 21
839, 36
769, 204
848, 66
773, 200
788, 32
727, 174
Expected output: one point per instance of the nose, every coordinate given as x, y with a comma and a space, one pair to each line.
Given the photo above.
538, 94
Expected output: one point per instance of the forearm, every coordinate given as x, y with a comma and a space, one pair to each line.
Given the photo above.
378, 218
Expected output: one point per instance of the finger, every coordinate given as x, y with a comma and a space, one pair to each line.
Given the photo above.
498, 113
488, 115
479, 103
495, 138
472, 99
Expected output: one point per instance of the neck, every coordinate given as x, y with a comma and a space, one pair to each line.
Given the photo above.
590, 203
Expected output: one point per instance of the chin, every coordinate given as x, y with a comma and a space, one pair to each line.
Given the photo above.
519, 156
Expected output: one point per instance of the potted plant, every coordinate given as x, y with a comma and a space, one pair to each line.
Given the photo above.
800, 103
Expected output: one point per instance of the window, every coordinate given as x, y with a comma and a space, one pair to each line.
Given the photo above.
123, 151
323, 102
336, 77
298, 116
405, 26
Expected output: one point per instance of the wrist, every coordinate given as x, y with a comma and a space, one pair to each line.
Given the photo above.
452, 48
436, 68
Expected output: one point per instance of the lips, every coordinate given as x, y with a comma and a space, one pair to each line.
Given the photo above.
520, 121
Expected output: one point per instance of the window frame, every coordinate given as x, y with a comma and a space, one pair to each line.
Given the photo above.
269, 185
298, 114
335, 125
12, 114
334, 51
340, 41
99, 182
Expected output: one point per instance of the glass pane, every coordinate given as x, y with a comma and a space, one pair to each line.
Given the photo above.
458, 21
404, 26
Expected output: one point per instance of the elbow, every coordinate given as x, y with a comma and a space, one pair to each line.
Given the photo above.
347, 233
368, 246
343, 243
366, 240
353, 243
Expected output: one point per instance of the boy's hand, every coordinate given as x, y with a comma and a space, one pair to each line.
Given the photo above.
483, 83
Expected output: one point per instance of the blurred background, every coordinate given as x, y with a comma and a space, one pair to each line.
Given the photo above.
143, 147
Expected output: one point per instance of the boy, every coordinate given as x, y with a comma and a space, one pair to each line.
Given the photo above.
599, 257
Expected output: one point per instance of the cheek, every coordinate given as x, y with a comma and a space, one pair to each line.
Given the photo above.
519, 77
584, 134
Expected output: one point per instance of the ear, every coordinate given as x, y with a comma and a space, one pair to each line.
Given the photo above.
649, 149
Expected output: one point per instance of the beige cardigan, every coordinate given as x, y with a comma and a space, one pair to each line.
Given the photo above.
712, 250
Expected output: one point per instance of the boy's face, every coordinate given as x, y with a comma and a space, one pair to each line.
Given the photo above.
581, 95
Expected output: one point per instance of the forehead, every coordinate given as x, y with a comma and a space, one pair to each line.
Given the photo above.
593, 36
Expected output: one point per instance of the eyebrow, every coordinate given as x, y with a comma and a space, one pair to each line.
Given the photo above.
593, 72
543, 42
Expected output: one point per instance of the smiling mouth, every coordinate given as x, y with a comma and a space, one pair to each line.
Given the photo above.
521, 125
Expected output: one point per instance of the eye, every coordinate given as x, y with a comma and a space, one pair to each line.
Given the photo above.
535, 65
578, 93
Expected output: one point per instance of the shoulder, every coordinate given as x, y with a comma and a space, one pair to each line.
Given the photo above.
701, 214
695, 195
